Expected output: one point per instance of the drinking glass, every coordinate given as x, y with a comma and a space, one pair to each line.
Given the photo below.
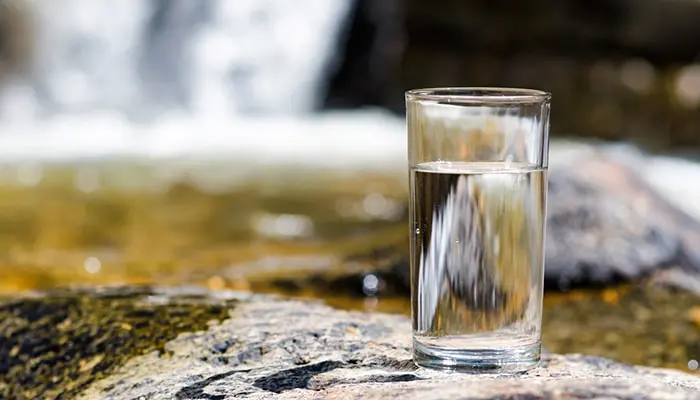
478, 191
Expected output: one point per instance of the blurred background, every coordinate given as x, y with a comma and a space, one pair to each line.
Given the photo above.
260, 144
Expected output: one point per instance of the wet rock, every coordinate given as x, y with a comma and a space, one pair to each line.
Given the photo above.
55, 345
299, 350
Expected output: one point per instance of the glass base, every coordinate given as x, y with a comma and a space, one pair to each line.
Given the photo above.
496, 361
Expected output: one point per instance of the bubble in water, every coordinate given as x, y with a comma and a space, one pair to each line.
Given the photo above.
693, 365
370, 285
92, 265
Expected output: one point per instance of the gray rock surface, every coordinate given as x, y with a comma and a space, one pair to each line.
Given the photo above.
272, 349
607, 223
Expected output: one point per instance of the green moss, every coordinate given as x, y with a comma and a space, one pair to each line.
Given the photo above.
56, 345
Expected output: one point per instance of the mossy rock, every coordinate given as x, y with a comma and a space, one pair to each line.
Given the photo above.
55, 344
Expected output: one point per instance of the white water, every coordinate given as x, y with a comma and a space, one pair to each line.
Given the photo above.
217, 56
366, 139
236, 79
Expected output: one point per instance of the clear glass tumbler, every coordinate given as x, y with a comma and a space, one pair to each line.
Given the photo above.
478, 191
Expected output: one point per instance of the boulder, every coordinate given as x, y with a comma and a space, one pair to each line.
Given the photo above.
607, 223
611, 218
268, 348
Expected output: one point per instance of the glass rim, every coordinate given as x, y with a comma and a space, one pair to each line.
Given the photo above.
478, 95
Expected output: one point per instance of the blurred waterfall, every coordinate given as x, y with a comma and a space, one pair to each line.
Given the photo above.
239, 57
160, 78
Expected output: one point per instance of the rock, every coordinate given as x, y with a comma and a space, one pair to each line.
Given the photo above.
166, 343
122, 343
606, 224
271, 348
55, 346
16, 37
371, 48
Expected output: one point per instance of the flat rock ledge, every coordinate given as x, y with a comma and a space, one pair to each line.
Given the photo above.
275, 349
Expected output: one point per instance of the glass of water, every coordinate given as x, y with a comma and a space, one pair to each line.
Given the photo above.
478, 190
